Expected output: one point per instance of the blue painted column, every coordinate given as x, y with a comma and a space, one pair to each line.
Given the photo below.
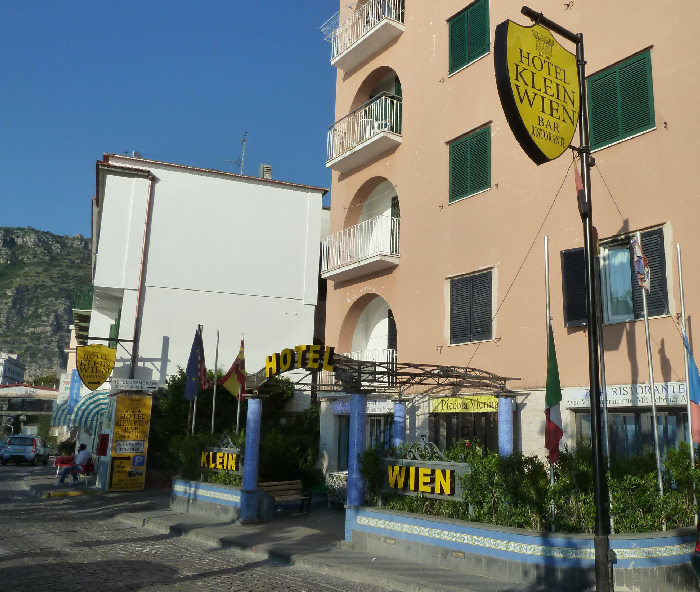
358, 414
249, 493
398, 435
505, 426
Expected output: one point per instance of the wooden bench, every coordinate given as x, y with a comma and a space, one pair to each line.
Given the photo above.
286, 491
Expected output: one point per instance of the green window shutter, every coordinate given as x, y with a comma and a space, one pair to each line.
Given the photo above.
460, 309
471, 308
657, 297
478, 33
458, 42
621, 101
480, 160
636, 95
459, 169
604, 124
470, 164
481, 328
573, 286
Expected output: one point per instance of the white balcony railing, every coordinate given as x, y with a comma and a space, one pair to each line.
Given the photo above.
362, 21
381, 114
387, 356
368, 239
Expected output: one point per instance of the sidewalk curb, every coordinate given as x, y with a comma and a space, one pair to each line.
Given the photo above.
337, 560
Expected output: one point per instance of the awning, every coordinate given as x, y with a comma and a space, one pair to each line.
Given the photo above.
89, 408
61, 416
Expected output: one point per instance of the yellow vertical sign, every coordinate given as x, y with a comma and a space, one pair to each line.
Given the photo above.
132, 422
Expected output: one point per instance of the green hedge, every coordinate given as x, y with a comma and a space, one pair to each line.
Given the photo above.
516, 491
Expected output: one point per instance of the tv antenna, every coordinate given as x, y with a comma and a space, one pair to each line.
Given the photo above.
240, 161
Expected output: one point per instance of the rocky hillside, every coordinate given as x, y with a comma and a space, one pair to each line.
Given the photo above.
39, 274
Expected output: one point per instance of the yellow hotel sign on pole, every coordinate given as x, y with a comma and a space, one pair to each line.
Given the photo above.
95, 363
537, 81
469, 404
132, 423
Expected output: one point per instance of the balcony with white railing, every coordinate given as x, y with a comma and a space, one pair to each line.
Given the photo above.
387, 357
370, 29
364, 134
367, 247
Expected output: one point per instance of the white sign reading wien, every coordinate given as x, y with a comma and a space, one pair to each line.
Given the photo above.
629, 395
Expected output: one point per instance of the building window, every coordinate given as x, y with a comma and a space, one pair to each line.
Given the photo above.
621, 101
631, 431
469, 35
470, 308
621, 294
470, 164
448, 429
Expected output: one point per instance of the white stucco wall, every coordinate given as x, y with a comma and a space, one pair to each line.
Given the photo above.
233, 254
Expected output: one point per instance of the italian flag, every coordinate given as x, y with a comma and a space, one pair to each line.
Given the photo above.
552, 429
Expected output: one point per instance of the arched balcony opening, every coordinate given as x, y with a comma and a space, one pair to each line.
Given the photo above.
369, 246
372, 128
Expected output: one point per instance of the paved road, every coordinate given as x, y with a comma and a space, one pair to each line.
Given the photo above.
75, 544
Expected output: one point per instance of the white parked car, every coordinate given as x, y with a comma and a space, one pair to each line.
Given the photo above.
25, 448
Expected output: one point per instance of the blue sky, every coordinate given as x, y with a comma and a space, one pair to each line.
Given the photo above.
177, 81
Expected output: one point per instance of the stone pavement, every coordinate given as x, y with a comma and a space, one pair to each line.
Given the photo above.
312, 541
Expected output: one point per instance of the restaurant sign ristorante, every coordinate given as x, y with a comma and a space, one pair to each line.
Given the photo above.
538, 84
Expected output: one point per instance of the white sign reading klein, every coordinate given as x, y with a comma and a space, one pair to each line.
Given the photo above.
629, 395
133, 384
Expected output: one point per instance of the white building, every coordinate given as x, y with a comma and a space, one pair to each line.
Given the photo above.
176, 246
11, 369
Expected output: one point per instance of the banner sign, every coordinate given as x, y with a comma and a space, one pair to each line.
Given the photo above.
222, 459
309, 357
95, 364
435, 479
132, 422
538, 84
74, 391
629, 395
374, 407
133, 384
472, 404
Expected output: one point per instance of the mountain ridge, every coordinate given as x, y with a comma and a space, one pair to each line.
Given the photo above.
40, 273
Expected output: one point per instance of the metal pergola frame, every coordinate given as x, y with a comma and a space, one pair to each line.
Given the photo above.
397, 380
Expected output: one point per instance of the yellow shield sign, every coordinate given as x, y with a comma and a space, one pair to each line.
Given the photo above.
538, 84
95, 364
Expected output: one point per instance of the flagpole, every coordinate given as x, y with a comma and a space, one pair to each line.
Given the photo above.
194, 406
547, 323
213, 397
651, 383
238, 401
685, 352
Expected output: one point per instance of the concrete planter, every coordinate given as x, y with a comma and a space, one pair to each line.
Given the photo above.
206, 499
643, 562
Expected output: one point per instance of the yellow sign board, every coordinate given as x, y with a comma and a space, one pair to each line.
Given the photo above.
309, 357
470, 404
95, 364
132, 422
538, 84
219, 459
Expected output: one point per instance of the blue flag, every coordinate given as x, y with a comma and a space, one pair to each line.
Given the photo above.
693, 376
694, 387
74, 393
195, 365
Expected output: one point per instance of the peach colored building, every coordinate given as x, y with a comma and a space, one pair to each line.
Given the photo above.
438, 217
